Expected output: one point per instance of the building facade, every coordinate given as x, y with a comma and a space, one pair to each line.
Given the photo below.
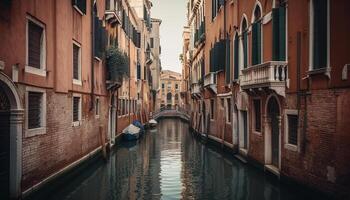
274, 85
68, 84
170, 86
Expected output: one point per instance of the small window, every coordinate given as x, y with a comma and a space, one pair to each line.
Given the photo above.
76, 63
80, 6
228, 110
35, 103
152, 42
97, 107
212, 108
293, 129
257, 114
176, 86
76, 109
163, 85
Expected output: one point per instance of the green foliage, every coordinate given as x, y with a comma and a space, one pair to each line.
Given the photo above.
117, 64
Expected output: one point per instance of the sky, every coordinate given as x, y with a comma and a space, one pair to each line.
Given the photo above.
173, 16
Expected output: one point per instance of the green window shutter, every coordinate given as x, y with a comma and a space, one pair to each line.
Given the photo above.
236, 57
255, 43
275, 34
228, 63
258, 43
320, 34
282, 33
245, 49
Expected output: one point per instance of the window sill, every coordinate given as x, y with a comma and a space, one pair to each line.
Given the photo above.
291, 147
322, 71
76, 124
77, 82
78, 10
35, 132
36, 71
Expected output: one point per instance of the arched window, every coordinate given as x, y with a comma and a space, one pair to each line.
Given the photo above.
244, 46
256, 36
236, 56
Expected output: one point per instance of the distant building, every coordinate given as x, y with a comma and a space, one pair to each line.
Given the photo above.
170, 86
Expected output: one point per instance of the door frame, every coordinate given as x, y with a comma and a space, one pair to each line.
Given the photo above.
16, 133
268, 133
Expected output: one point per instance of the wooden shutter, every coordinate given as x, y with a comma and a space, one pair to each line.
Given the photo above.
236, 57
257, 110
75, 62
254, 43
275, 34
282, 33
245, 49
228, 63
34, 109
35, 34
320, 34
76, 102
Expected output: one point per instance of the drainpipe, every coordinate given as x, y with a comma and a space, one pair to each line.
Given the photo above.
226, 64
129, 71
92, 56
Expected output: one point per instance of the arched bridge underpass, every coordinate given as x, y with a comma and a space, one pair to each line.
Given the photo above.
171, 113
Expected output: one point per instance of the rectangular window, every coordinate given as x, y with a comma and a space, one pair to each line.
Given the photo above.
293, 129
76, 109
319, 34
176, 86
36, 47
35, 103
97, 107
279, 34
76, 62
257, 112
212, 108
163, 85
80, 6
152, 42
228, 110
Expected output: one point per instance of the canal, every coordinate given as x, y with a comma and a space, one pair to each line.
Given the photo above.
170, 163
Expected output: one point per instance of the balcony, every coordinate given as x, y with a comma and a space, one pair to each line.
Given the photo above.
195, 90
113, 16
210, 82
270, 75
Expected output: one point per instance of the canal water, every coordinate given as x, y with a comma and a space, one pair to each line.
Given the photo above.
170, 163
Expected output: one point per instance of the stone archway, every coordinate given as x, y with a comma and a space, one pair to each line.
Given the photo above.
273, 132
11, 127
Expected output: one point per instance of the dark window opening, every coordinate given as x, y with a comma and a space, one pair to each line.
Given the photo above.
35, 42
34, 109
76, 109
257, 110
293, 129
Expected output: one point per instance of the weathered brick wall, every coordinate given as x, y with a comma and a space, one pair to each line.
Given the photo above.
62, 144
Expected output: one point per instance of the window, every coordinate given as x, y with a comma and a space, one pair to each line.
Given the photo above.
236, 57
293, 129
76, 64
152, 42
36, 47
97, 107
319, 34
212, 108
35, 109
176, 86
163, 85
279, 33
256, 37
257, 114
76, 110
228, 110
244, 31
80, 6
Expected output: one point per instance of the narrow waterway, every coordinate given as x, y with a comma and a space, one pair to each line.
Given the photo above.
169, 163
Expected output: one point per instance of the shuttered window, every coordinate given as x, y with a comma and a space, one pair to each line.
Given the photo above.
35, 109
293, 129
76, 109
236, 57
320, 33
228, 62
35, 42
76, 62
245, 49
97, 107
279, 34
256, 43
80, 5
228, 110
257, 112
212, 108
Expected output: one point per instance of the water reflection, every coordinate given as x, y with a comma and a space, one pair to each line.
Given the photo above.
170, 164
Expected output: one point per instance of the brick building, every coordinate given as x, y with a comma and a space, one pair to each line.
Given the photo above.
274, 84
58, 102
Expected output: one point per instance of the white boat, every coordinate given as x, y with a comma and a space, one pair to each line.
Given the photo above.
152, 123
131, 132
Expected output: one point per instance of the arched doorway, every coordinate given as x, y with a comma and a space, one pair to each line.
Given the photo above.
273, 131
11, 121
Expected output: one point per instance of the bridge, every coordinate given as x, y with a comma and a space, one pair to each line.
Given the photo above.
171, 113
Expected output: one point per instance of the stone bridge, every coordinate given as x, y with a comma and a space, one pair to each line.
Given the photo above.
171, 113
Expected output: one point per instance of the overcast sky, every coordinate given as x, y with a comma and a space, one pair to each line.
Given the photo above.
173, 16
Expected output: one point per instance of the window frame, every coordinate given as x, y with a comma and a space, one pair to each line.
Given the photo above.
42, 129
79, 80
312, 69
97, 107
79, 122
43, 47
287, 145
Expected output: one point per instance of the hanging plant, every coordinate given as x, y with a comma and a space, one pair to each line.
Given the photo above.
117, 64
